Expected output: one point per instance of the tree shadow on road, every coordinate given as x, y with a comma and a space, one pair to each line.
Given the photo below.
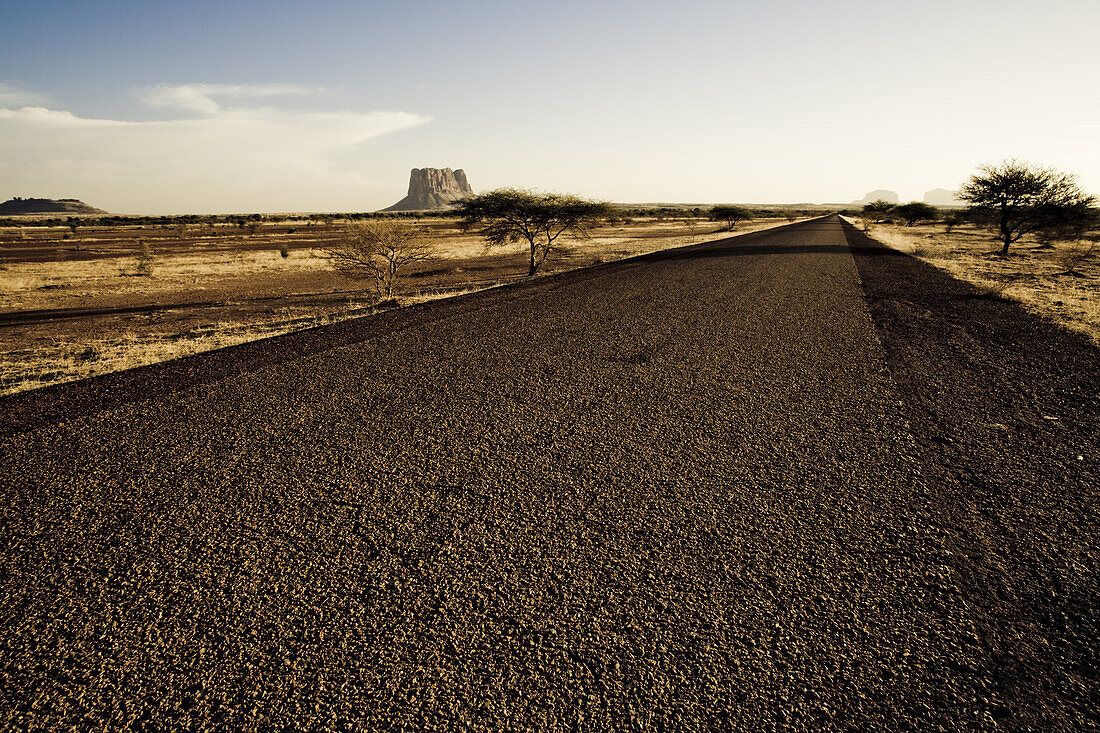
734, 248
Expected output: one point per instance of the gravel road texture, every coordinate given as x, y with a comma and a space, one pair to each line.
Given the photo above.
785, 480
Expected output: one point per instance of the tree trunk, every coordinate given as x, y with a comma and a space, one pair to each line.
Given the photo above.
1008, 241
532, 266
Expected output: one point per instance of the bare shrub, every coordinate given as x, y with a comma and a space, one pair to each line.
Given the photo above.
1076, 255
378, 250
144, 265
692, 225
997, 284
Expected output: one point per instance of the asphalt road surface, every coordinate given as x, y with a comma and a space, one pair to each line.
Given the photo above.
785, 480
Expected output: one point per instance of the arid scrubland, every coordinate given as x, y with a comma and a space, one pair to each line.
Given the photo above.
78, 304
1061, 281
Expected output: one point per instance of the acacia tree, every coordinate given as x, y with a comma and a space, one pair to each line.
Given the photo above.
730, 214
875, 212
879, 208
378, 250
539, 219
913, 212
1014, 199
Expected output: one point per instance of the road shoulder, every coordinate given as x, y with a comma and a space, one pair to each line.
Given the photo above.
1006, 409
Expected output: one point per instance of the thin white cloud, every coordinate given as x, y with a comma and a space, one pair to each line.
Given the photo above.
225, 158
203, 97
52, 119
11, 96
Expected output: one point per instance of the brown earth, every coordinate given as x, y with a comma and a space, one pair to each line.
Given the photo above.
1060, 281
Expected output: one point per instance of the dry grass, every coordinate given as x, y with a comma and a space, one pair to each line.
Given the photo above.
34, 285
68, 360
1062, 283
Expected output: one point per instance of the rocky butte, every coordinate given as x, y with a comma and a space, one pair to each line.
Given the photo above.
433, 188
942, 197
880, 194
18, 206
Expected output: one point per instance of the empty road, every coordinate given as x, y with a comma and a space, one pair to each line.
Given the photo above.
786, 480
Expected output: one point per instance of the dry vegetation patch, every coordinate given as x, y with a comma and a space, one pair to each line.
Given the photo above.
1061, 282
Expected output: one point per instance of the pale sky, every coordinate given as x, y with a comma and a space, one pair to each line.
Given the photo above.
147, 106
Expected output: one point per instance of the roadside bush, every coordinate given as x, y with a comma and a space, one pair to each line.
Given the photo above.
1077, 255
378, 250
144, 265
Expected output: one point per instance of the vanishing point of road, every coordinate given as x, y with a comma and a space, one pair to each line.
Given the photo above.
787, 480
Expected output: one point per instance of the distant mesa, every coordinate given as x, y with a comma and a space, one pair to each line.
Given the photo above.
17, 206
942, 197
433, 188
879, 195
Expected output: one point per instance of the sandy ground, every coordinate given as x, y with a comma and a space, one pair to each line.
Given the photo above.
1062, 283
74, 305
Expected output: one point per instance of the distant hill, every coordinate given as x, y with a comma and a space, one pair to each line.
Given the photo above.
16, 206
942, 197
878, 195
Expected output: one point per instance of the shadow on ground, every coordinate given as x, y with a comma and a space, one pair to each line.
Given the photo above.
1006, 406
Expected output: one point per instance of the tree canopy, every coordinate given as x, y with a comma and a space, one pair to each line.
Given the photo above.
730, 214
1014, 199
914, 211
539, 219
879, 207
